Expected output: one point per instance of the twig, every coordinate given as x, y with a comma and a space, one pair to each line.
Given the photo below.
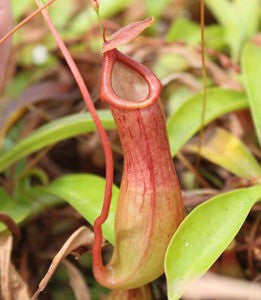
204, 76
11, 225
189, 166
21, 24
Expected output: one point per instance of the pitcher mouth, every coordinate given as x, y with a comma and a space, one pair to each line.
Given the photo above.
107, 92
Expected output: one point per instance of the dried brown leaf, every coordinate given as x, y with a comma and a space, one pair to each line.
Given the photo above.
213, 286
220, 77
77, 282
126, 34
6, 244
18, 287
11, 284
81, 237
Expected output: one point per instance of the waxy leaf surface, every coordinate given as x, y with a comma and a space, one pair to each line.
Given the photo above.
54, 132
227, 151
85, 192
182, 124
17, 209
239, 19
203, 235
251, 65
248, 12
186, 120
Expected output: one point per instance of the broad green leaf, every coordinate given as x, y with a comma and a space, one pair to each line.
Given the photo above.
183, 29
222, 10
10, 140
177, 96
155, 8
226, 13
41, 200
18, 83
61, 11
251, 66
17, 209
54, 132
19, 7
204, 234
186, 120
85, 192
215, 37
227, 151
168, 63
249, 13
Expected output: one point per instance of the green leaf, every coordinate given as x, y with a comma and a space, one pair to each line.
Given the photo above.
168, 63
19, 7
60, 12
17, 209
204, 234
248, 12
85, 192
87, 18
251, 66
183, 29
215, 37
54, 132
177, 96
155, 8
18, 84
227, 151
227, 14
186, 120
41, 200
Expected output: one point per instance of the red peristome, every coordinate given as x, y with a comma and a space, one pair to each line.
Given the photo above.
106, 90
149, 208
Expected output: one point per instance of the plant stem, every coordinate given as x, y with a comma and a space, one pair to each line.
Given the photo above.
21, 24
204, 76
88, 101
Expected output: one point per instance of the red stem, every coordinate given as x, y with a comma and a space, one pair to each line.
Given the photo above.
21, 24
5, 50
103, 135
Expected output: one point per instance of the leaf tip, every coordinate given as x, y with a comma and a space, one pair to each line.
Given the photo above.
150, 20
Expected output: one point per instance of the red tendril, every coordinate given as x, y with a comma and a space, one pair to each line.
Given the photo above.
103, 135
